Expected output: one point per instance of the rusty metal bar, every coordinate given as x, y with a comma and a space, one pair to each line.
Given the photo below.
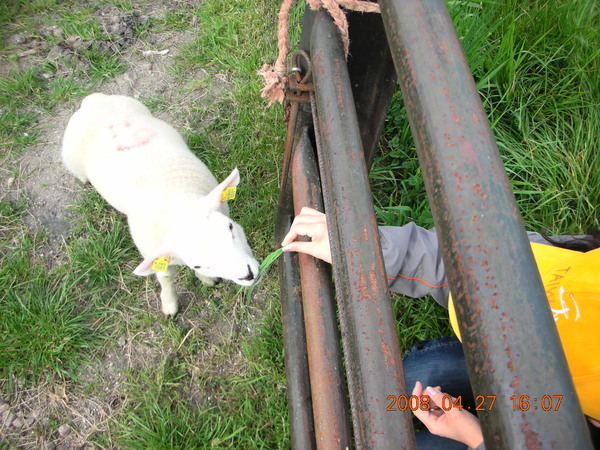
332, 426
512, 346
296, 363
371, 349
295, 354
294, 337
302, 432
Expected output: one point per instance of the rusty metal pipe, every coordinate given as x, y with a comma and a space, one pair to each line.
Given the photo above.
371, 349
511, 343
302, 434
332, 426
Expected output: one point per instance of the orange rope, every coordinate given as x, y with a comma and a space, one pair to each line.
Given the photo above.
275, 76
338, 16
418, 279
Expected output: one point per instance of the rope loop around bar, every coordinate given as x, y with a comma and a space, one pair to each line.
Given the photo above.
275, 76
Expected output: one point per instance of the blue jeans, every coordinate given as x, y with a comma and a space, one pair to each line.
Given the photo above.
439, 362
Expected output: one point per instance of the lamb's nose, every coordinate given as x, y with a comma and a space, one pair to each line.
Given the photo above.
250, 275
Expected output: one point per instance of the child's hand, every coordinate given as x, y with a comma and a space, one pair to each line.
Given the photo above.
313, 224
455, 423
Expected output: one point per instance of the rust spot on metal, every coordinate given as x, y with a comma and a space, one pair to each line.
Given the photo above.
444, 47
531, 437
477, 189
468, 153
476, 120
505, 327
514, 383
388, 357
374, 284
363, 287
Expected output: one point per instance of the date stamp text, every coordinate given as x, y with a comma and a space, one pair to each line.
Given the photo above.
482, 403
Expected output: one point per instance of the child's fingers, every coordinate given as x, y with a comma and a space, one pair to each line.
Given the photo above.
299, 246
423, 416
443, 401
303, 225
298, 229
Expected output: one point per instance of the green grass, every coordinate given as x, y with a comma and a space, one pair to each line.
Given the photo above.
215, 376
45, 332
101, 239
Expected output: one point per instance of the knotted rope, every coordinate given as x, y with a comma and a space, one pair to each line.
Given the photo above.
275, 76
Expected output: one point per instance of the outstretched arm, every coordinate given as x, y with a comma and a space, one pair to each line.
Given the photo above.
411, 254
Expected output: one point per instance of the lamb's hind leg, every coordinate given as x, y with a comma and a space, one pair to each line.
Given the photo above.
168, 295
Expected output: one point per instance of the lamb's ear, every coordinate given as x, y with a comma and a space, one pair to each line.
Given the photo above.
224, 191
157, 263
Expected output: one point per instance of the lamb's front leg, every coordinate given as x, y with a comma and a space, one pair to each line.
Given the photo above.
168, 295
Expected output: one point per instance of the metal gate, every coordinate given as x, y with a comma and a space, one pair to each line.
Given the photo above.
336, 114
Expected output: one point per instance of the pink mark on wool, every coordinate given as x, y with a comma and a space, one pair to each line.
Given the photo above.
137, 139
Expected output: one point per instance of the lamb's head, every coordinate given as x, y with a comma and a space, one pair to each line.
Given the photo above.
208, 241
219, 250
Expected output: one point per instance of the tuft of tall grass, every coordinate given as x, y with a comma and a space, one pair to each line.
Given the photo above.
102, 248
535, 66
46, 333
239, 413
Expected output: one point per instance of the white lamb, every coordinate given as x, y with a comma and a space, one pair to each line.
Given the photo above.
176, 210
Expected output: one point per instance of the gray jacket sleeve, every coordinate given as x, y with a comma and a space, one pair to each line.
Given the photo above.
413, 261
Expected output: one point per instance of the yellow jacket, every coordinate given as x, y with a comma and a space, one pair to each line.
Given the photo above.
572, 283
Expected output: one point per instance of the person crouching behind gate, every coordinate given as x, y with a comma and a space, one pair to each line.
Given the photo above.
570, 270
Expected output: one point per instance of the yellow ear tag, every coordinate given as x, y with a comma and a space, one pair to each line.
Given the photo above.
228, 193
160, 264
